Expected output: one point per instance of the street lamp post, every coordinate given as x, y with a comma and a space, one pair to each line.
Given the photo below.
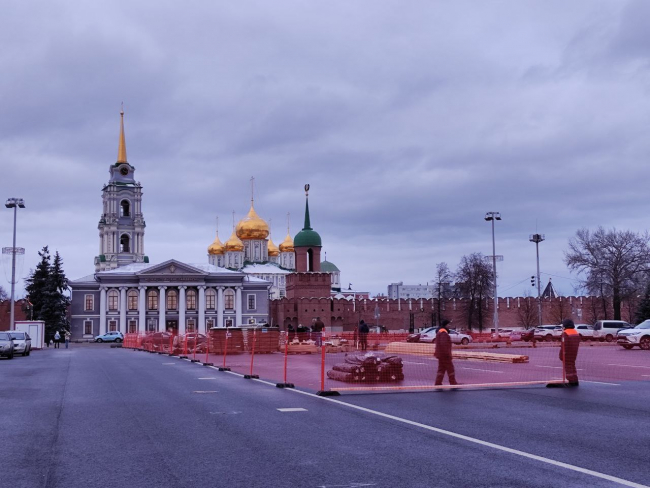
14, 203
537, 238
491, 217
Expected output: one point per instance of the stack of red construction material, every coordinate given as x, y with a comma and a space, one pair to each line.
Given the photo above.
368, 368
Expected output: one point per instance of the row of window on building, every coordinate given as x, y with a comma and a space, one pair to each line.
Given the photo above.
132, 298
152, 325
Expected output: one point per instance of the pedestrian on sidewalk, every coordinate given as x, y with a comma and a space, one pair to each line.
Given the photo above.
57, 340
443, 354
67, 338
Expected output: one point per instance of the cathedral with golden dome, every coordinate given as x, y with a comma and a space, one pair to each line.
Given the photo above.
250, 250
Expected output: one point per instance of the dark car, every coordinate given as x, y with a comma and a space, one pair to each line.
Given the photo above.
413, 338
6, 345
528, 335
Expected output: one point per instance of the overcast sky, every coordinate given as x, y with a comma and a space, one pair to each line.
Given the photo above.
410, 120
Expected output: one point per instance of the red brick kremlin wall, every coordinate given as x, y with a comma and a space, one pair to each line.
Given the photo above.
5, 313
395, 314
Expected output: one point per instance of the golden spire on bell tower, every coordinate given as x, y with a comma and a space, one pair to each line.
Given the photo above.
121, 150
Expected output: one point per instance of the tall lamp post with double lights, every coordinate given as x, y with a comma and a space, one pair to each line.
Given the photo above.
537, 238
14, 203
491, 217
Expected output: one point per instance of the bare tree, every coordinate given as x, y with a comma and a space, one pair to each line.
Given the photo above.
613, 262
3, 294
443, 281
474, 280
527, 311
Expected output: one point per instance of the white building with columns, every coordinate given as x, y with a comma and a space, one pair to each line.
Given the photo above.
176, 296
129, 294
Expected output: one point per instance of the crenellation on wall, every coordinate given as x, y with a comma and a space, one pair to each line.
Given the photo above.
395, 314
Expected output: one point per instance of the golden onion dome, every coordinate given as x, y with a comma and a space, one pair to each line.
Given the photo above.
234, 243
252, 226
273, 249
216, 247
287, 244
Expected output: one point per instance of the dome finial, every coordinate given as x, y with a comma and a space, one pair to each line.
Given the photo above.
252, 190
121, 149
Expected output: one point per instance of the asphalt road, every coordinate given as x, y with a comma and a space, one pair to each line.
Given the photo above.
92, 416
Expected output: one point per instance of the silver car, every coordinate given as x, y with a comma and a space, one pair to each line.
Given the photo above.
6, 345
22, 342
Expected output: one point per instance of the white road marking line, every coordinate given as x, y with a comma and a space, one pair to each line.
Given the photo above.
535, 457
167, 364
411, 362
486, 370
291, 409
351, 485
629, 366
601, 383
207, 378
205, 391
646, 375
554, 367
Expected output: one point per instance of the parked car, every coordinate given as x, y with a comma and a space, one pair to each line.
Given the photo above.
515, 335
548, 333
637, 336
193, 341
606, 330
586, 331
22, 342
6, 345
413, 338
160, 342
429, 335
528, 335
113, 336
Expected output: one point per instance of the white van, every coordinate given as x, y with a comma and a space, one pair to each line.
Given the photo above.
605, 330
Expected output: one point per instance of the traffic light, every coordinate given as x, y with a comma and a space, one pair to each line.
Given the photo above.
532, 281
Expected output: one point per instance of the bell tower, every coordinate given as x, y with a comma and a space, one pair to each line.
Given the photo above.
308, 281
121, 226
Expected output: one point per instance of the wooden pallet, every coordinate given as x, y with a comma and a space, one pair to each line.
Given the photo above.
302, 348
420, 349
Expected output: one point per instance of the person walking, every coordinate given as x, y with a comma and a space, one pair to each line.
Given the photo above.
317, 331
363, 335
443, 354
67, 338
568, 354
57, 340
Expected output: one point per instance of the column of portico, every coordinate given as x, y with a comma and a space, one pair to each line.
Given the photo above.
238, 305
201, 325
142, 309
162, 304
220, 306
102, 311
181, 309
123, 309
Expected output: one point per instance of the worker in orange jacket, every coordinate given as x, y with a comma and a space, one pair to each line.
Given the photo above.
569, 353
443, 354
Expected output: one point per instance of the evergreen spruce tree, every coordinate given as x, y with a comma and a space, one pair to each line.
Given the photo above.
37, 283
47, 288
643, 311
58, 289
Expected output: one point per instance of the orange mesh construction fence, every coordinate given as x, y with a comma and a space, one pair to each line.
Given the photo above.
385, 362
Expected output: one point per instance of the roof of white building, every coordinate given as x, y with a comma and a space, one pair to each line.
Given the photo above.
266, 268
136, 268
